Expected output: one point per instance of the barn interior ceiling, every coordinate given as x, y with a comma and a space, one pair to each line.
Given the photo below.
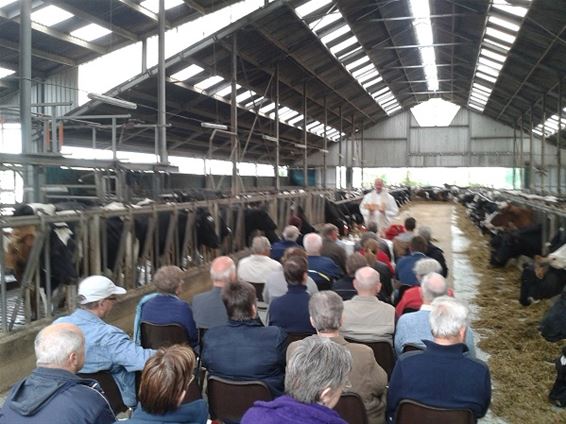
351, 64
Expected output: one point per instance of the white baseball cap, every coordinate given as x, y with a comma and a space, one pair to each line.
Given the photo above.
98, 287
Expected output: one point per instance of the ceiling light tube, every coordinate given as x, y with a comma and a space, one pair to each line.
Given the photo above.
301, 146
112, 101
214, 126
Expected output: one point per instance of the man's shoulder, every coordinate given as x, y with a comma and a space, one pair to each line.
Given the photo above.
203, 297
411, 318
360, 352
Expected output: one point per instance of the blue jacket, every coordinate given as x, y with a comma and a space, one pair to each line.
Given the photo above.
405, 266
279, 247
109, 348
246, 350
195, 412
291, 311
327, 267
440, 376
52, 395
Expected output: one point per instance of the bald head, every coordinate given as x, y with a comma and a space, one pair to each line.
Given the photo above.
60, 346
222, 271
433, 285
312, 243
366, 281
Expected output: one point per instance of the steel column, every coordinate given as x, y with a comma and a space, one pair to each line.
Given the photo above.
305, 165
559, 142
339, 185
161, 100
234, 117
543, 142
324, 153
514, 154
531, 154
521, 158
362, 159
277, 181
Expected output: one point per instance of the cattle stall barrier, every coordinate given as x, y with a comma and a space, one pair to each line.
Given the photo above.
133, 260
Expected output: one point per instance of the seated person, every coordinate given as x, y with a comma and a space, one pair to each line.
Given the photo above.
433, 251
385, 270
442, 376
401, 241
317, 373
166, 307
371, 248
244, 349
256, 267
385, 245
412, 299
345, 285
53, 389
107, 348
404, 272
164, 383
290, 235
366, 318
291, 311
330, 248
414, 328
322, 270
276, 285
368, 379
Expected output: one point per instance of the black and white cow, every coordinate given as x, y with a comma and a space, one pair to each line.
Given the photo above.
557, 394
334, 215
553, 325
512, 244
258, 222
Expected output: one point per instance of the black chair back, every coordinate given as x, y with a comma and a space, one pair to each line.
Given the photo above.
409, 347
383, 353
410, 412
156, 336
351, 408
228, 400
110, 389
258, 290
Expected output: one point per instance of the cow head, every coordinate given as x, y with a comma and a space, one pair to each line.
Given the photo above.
553, 325
558, 392
503, 247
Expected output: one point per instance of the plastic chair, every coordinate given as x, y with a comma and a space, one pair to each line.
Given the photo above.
228, 400
351, 408
410, 412
383, 353
110, 389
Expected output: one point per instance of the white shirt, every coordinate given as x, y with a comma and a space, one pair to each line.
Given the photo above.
256, 268
384, 200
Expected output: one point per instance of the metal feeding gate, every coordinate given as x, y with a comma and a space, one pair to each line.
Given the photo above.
128, 242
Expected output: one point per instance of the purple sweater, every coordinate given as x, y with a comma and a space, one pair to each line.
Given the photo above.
286, 410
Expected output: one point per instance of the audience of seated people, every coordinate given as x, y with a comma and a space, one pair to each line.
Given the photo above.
317, 373
289, 237
404, 271
433, 251
385, 245
291, 311
244, 349
208, 308
345, 285
53, 392
163, 388
330, 248
107, 348
366, 318
385, 269
442, 376
368, 379
372, 248
322, 270
401, 241
276, 284
412, 329
256, 267
165, 307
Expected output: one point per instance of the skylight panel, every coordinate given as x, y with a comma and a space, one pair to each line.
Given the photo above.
506, 7
223, 92
189, 72
490, 63
50, 15
343, 45
482, 88
371, 82
153, 5
504, 23
296, 119
209, 82
492, 55
485, 77
347, 54
5, 72
311, 6
344, 29
313, 124
493, 43
325, 21
256, 102
500, 35
4, 3
368, 76
90, 32
475, 106
423, 29
488, 70
393, 109
363, 70
357, 62
267, 109
244, 96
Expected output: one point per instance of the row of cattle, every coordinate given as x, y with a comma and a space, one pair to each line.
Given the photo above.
515, 233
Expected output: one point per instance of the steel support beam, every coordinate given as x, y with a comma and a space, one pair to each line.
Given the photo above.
52, 57
559, 140
161, 99
277, 181
234, 118
325, 152
543, 142
305, 133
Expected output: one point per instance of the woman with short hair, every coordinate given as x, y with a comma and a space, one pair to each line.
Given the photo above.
317, 373
164, 384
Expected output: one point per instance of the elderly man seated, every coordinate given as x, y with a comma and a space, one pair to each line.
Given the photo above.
107, 347
345, 285
256, 267
433, 251
367, 377
414, 328
330, 248
412, 299
290, 235
366, 318
244, 349
53, 393
322, 270
442, 376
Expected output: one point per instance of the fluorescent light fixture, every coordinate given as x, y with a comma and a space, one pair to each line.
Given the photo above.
153, 5
393, 110
323, 151
189, 72
504, 23
213, 126
269, 138
5, 72
312, 125
90, 32
283, 116
50, 15
301, 146
311, 6
112, 101
209, 82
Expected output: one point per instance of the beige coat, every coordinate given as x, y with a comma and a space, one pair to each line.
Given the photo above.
368, 379
368, 319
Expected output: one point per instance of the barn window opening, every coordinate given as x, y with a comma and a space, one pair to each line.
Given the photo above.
435, 113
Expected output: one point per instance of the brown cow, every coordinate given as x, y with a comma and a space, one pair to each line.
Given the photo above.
512, 217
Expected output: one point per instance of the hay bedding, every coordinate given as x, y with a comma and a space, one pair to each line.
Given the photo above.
521, 361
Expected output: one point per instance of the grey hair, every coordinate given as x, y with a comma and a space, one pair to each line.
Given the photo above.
433, 285
312, 243
291, 233
448, 316
315, 365
426, 233
168, 278
226, 272
53, 347
326, 309
426, 266
328, 229
367, 278
260, 245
